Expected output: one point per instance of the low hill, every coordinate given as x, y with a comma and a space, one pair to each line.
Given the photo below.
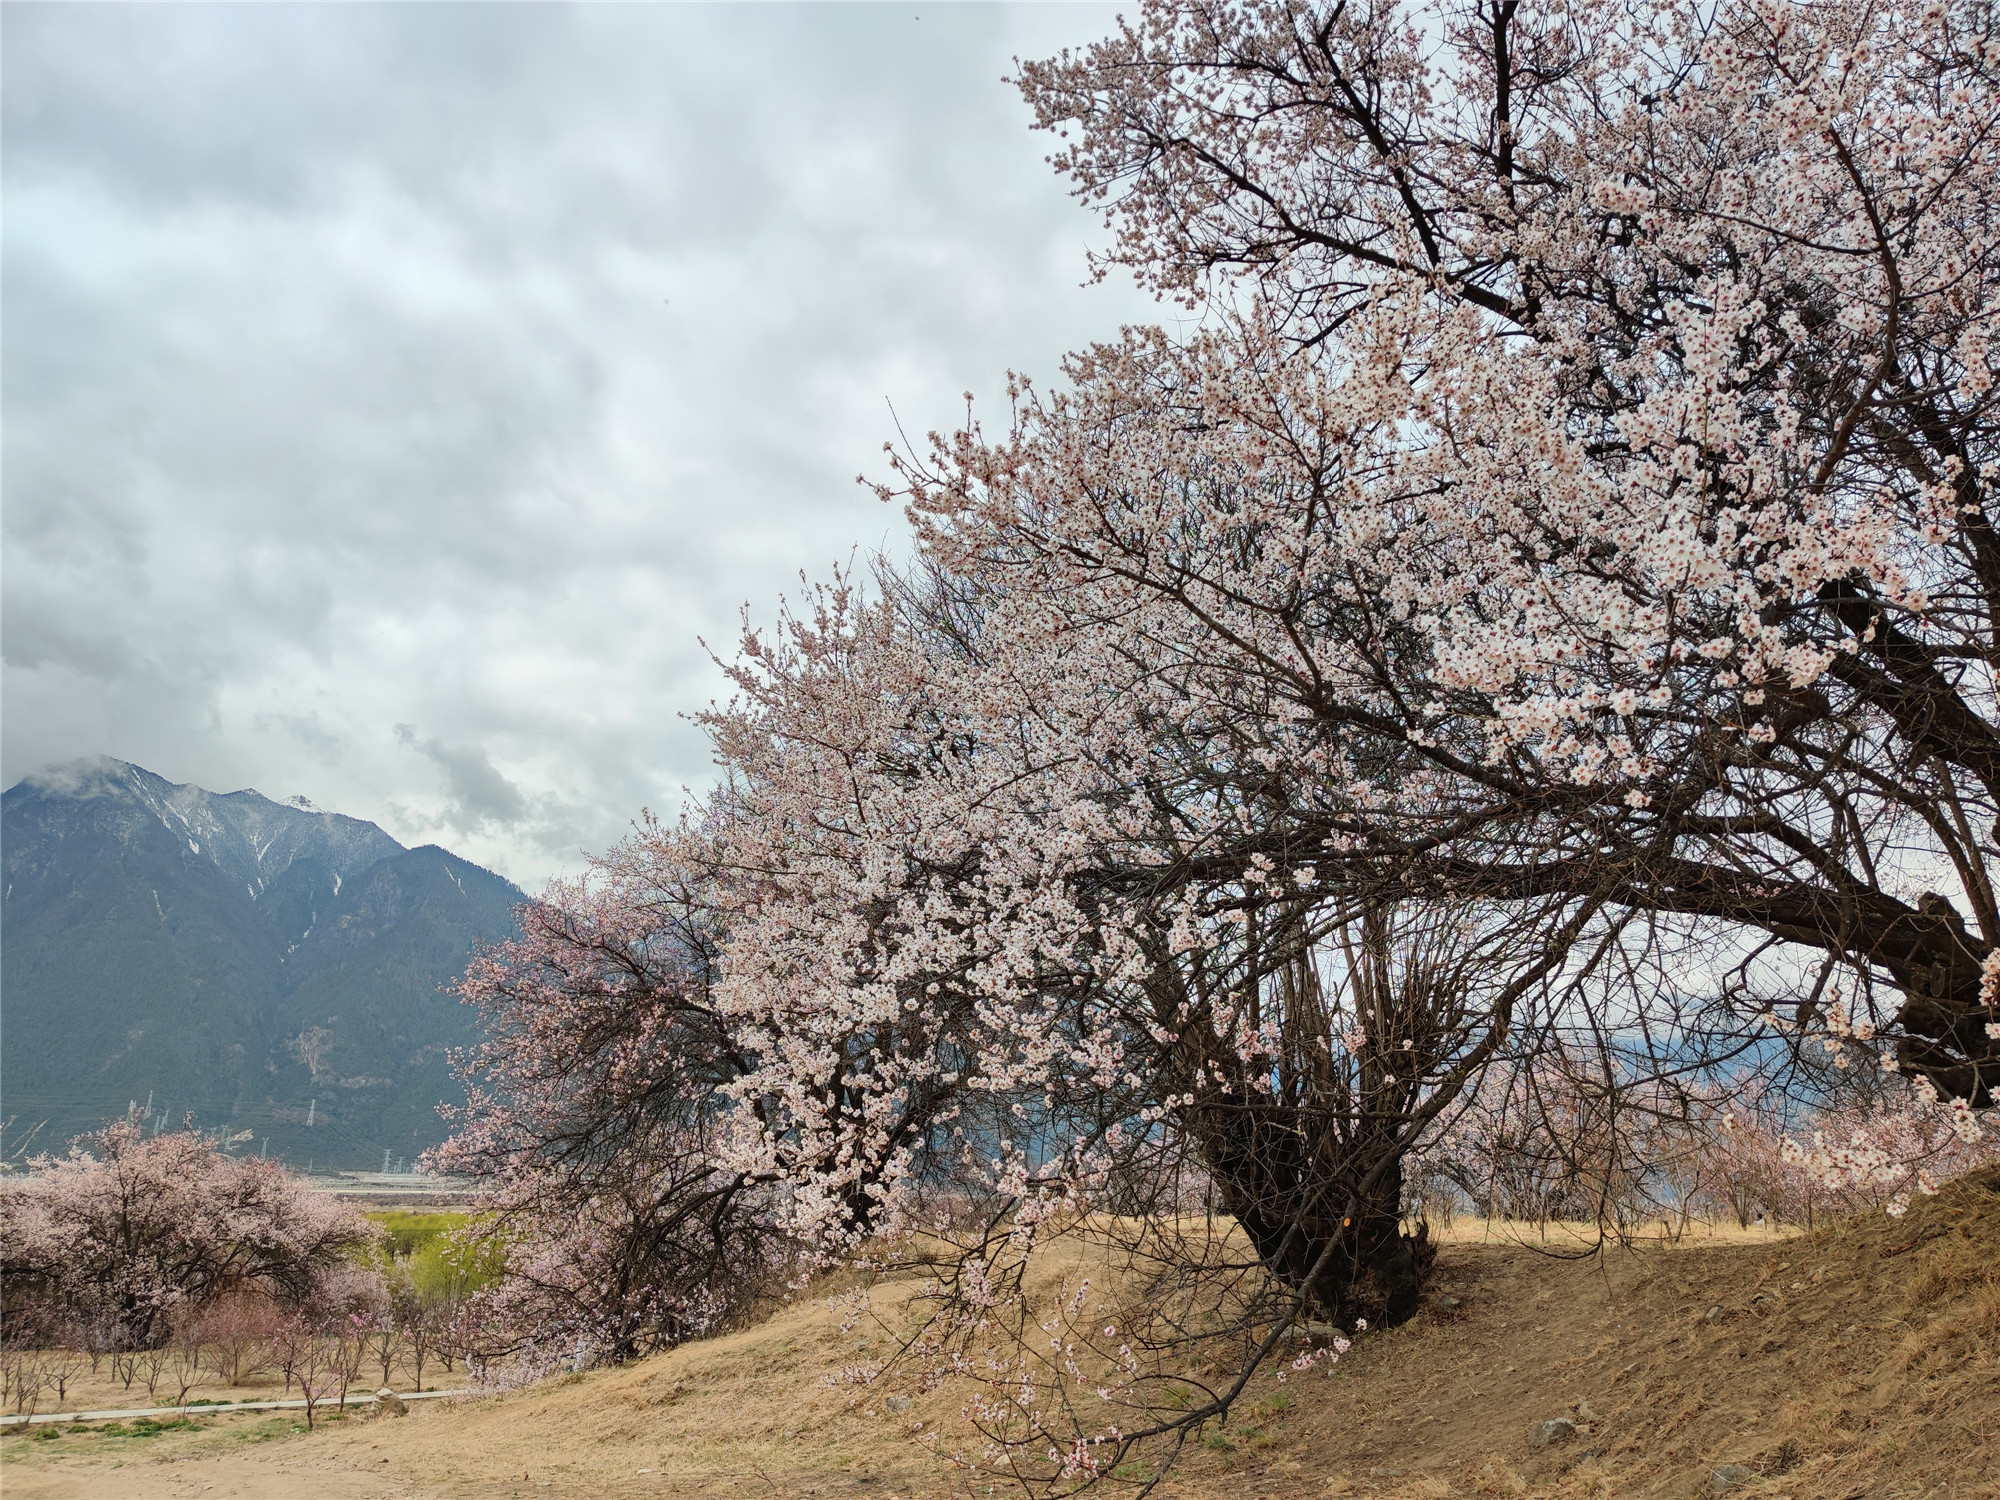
268, 968
1862, 1360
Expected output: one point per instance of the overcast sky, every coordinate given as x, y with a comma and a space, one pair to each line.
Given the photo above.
395, 397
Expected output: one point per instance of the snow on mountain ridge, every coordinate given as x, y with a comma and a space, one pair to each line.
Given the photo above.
245, 834
160, 936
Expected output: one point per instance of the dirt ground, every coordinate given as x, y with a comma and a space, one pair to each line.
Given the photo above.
104, 1392
1857, 1363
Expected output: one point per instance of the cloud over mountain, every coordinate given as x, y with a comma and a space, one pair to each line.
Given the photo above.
463, 368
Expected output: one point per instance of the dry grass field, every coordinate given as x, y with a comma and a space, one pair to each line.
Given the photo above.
1860, 1362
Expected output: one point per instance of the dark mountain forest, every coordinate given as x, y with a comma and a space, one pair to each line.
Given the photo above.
270, 970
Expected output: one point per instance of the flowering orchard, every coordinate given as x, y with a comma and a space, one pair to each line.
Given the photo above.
1552, 1138
129, 1235
1553, 597
181, 1265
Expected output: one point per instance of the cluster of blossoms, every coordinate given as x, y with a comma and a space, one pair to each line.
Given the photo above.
1856, 1165
1880, 1155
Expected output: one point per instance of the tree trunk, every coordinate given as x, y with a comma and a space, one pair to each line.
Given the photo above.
1292, 1203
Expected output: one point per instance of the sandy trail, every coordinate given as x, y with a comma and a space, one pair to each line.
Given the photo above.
260, 1478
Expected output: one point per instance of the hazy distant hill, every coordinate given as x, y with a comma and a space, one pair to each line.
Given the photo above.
257, 964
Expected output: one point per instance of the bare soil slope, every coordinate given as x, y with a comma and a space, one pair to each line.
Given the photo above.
1860, 1361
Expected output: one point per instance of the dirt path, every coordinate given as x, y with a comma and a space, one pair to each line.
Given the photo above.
260, 1478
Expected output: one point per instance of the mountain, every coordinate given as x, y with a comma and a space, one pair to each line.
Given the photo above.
262, 966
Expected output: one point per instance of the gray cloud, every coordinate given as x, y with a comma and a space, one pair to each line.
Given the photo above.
461, 366
478, 794
83, 776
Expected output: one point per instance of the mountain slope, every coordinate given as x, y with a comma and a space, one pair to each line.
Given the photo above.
359, 1023
259, 965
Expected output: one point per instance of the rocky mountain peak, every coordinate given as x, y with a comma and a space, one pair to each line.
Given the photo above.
166, 941
244, 834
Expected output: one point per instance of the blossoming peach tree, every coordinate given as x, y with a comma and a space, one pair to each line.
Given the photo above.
1607, 442
1561, 557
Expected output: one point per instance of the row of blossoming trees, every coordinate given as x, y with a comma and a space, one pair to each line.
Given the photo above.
161, 1261
1534, 640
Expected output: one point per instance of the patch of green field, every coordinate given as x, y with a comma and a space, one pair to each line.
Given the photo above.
410, 1230
438, 1253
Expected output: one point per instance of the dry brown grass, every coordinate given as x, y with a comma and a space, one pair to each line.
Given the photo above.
1862, 1360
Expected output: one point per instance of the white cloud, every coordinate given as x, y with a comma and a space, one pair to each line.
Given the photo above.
459, 367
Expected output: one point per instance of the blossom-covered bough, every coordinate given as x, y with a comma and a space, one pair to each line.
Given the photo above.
591, 1123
